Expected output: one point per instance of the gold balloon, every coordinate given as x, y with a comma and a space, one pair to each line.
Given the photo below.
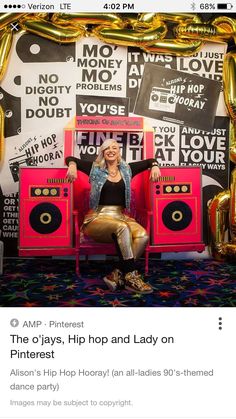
182, 17
107, 19
145, 21
218, 223
201, 31
7, 18
174, 47
51, 31
232, 148
232, 211
149, 19
130, 37
6, 37
44, 16
228, 24
129, 20
222, 215
1, 133
229, 83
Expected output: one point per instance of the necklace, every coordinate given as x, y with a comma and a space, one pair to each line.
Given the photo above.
113, 173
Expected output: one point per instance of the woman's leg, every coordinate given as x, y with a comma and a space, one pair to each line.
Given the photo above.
139, 237
130, 239
133, 280
105, 229
108, 229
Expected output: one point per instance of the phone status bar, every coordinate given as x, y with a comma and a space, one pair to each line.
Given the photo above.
111, 6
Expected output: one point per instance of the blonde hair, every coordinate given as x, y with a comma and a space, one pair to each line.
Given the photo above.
100, 161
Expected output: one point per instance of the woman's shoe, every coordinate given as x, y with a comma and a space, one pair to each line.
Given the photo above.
134, 283
114, 280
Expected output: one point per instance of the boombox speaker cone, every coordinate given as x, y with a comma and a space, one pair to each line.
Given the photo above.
177, 215
45, 218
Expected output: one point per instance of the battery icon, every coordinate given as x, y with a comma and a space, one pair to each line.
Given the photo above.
224, 6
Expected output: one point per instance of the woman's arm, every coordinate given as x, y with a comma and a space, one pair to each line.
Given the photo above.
75, 164
140, 166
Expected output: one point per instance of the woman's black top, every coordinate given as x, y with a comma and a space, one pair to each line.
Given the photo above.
112, 193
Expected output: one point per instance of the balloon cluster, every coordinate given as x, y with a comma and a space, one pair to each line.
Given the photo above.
222, 208
157, 33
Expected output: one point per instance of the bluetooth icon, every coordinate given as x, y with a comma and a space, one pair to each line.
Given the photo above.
193, 6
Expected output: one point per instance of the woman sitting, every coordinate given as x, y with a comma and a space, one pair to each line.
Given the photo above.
110, 178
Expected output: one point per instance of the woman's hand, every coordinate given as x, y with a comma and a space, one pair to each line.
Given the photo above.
155, 173
71, 174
